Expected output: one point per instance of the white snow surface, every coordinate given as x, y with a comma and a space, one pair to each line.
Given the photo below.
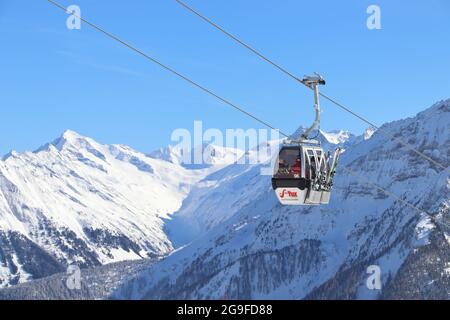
222, 217
234, 215
76, 183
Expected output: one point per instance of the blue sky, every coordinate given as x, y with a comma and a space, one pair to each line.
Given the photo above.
52, 79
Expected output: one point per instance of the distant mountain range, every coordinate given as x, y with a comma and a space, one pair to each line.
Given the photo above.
76, 201
218, 231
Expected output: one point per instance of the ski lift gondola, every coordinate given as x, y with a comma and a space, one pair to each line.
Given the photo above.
303, 173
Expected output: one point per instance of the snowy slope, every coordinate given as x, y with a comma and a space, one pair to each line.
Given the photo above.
263, 250
77, 201
221, 194
236, 241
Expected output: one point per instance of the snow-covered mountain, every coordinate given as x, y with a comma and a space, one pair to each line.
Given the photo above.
73, 157
221, 194
260, 249
211, 155
235, 241
76, 201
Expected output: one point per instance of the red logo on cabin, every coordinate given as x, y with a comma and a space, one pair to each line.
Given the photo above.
289, 194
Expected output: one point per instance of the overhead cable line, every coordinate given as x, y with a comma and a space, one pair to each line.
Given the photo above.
221, 99
164, 66
290, 74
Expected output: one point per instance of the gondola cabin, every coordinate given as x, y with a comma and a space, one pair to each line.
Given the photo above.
302, 175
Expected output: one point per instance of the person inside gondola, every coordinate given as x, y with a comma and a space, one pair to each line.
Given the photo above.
296, 168
287, 164
283, 168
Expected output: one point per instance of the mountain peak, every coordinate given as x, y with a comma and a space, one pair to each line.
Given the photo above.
336, 136
69, 137
333, 137
368, 133
70, 134
12, 153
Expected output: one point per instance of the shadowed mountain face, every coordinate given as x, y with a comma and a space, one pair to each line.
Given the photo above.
263, 250
95, 283
234, 239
